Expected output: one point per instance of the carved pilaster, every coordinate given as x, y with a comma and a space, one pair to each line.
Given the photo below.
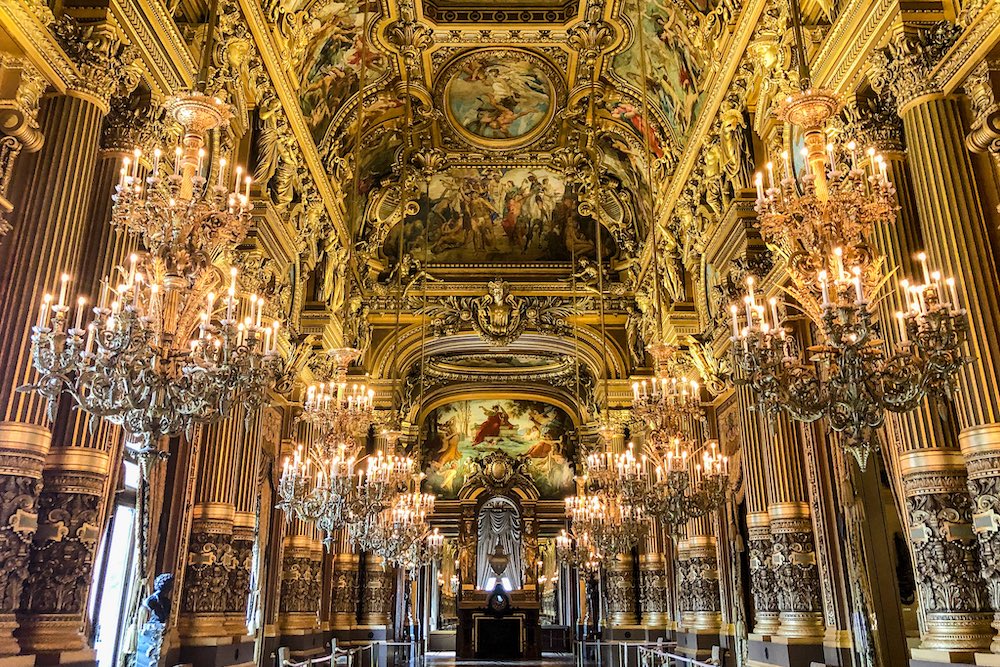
903, 68
107, 65
345, 591
952, 594
981, 449
60, 567
377, 596
796, 577
653, 591
620, 596
763, 587
701, 577
301, 578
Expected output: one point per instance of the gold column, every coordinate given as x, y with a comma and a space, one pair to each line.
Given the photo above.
620, 592
301, 574
377, 596
21, 88
701, 609
345, 587
50, 217
248, 520
206, 593
959, 242
653, 583
760, 546
80, 459
793, 553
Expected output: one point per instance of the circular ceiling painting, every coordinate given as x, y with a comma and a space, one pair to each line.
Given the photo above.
499, 98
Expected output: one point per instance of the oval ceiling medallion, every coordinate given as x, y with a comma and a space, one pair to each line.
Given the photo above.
499, 98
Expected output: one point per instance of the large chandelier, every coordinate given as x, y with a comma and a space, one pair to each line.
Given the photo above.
576, 551
168, 345
400, 534
613, 525
338, 409
852, 376
681, 491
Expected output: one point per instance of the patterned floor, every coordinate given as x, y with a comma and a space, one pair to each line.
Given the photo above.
548, 660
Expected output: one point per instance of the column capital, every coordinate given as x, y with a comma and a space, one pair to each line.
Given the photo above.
904, 67
21, 88
106, 63
131, 122
873, 122
983, 88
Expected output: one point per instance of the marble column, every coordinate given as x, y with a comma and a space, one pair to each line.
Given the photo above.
620, 592
793, 554
51, 204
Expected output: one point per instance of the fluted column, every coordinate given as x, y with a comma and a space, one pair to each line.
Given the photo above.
793, 553
620, 596
49, 221
77, 468
377, 595
760, 547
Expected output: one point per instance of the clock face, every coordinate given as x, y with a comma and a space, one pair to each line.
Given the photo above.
498, 602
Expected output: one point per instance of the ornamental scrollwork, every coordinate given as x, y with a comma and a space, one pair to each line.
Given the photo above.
300, 584
18, 523
62, 556
793, 558
944, 549
763, 588
702, 576
211, 561
500, 317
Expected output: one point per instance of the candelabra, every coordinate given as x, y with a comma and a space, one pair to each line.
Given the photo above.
676, 496
576, 551
398, 533
613, 524
160, 355
852, 376
336, 409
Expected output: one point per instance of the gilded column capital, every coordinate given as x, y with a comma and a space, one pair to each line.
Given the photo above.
872, 122
21, 88
107, 65
982, 86
131, 122
903, 68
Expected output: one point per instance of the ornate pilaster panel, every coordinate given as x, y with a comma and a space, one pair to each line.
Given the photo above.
377, 596
345, 591
702, 579
981, 449
60, 567
653, 590
952, 594
796, 577
211, 561
763, 588
21, 87
301, 578
22, 454
621, 597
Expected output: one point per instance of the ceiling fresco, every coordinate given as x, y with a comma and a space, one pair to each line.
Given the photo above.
496, 214
499, 97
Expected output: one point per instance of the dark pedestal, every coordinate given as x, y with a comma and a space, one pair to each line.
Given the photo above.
514, 634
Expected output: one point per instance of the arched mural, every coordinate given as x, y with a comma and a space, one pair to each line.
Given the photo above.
457, 433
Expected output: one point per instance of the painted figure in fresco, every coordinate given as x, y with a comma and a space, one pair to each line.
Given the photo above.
631, 115
497, 419
498, 99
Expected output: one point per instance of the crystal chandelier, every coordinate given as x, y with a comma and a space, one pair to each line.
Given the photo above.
851, 376
676, 495
398, 533
613, 524
162, 351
